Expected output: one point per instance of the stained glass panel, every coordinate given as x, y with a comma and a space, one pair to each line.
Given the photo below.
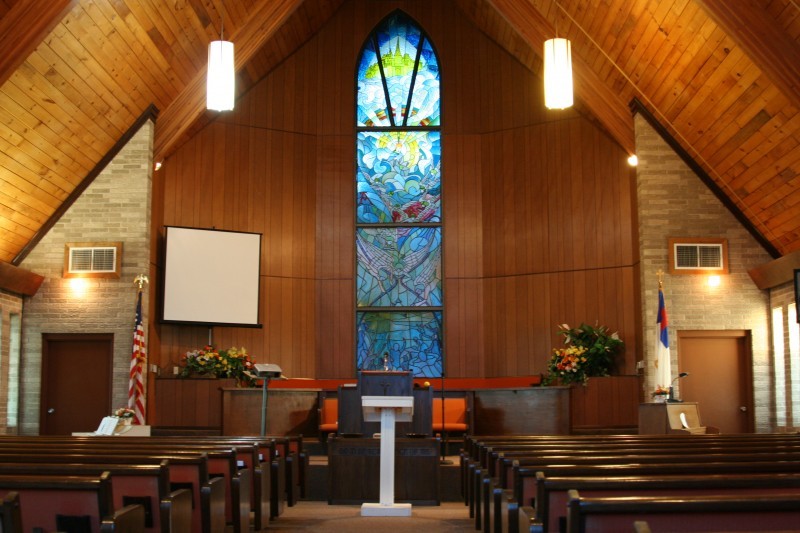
411, 339
398, 178
398, 63
398, 267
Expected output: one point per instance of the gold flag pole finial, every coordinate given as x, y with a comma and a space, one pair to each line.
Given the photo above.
660, 275
141, 280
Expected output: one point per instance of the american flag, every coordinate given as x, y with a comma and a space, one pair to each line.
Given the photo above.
662, 359
136, 398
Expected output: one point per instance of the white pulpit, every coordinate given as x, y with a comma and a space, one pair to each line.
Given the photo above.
387, 410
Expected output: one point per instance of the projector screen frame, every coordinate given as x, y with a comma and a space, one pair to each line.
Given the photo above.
164, 279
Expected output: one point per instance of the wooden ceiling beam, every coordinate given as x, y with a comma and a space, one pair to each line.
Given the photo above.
606, 105
762, 39
266, 18
18, 280
25, 26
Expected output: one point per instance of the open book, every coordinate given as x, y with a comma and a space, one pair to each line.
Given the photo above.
107, 426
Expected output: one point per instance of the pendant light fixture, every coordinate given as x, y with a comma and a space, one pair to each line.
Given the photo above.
221, 81
557, 72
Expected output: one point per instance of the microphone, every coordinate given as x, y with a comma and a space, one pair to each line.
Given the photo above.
671, 397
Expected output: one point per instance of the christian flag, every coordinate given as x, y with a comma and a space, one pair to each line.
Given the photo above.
138, 360
662, 359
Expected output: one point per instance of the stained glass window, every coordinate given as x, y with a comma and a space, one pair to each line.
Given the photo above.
398, 176
399, 267
398, 85
398, 201
411, 339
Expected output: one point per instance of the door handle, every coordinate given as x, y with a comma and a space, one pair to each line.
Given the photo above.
743, 408
51, 411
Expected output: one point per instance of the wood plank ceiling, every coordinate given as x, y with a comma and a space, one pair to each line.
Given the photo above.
723, 81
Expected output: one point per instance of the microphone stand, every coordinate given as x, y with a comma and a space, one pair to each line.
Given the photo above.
444, 439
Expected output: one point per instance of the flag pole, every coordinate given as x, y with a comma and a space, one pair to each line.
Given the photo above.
136, 400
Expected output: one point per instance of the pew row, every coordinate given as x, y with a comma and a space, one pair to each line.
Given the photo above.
52, 503
146, 485
778, 512
185, 471
552, 498
237, 464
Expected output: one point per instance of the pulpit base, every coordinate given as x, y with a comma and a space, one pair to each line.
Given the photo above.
378, 509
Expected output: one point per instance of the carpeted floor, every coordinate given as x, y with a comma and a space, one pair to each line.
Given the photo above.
321, 517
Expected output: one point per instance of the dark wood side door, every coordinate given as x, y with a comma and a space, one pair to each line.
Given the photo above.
719, 363
76, 382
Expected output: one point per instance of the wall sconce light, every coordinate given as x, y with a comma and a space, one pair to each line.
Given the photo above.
633, 160
557, 73
714, 281
221, 80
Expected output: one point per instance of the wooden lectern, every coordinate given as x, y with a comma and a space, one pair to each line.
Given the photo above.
387, 410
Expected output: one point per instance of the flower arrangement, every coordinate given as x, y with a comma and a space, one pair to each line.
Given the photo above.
230, 363
124, 412
660, 394
588, 352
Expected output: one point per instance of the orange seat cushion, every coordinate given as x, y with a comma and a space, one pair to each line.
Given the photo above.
329, 415
455, 414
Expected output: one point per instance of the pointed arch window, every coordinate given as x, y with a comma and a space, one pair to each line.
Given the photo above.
399, 293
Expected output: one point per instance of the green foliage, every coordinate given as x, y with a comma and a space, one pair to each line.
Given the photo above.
588, 352
230, 363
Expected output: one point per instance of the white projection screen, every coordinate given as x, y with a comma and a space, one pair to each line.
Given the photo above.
212, 277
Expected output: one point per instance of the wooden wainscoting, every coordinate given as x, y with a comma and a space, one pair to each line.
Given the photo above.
606, 405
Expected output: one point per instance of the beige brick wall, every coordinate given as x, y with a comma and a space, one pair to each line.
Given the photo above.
115, 207
673, 202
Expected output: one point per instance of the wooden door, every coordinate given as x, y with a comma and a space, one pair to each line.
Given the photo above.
76, 382
719, 365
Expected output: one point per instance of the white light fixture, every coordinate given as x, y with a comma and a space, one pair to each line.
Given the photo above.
221, 73
633, 160
714, 281
557, 73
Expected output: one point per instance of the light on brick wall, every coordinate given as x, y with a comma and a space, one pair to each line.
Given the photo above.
714, 281
79, 286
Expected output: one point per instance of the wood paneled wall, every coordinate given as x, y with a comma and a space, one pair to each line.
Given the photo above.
538, 206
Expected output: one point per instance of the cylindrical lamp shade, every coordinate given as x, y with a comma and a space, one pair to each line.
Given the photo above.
221, 81
557, 74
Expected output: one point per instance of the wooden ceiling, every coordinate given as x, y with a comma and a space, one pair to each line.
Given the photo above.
76, 75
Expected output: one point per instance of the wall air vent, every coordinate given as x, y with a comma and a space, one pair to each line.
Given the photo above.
99, 260
698, 256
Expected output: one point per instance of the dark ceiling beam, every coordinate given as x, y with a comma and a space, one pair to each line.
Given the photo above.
262, 23
762, 39
25, 25
604, 104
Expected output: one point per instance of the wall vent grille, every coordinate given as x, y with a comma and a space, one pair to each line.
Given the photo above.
92, 260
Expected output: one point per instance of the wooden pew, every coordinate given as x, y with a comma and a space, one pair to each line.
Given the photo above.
10, 515
185, 471
685, 514
222, 462
252, 453
146, 485
482, 508
45, 501
552, 492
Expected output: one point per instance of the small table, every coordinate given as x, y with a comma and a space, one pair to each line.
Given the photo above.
387, 409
